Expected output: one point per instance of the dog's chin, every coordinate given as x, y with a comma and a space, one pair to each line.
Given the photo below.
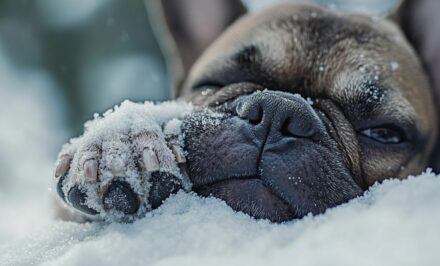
251, 196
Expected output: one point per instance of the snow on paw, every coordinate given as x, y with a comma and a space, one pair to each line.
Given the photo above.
122, 168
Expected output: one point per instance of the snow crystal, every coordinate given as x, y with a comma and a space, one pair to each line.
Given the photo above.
375, 93
394, 66
307, 99
206, 119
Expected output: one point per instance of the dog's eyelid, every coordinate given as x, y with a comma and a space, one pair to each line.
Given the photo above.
206, 84
399, 124
385, 135
404, 132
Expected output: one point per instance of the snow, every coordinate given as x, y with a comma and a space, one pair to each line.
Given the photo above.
394, 223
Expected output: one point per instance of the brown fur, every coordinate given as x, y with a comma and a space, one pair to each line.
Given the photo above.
326, 54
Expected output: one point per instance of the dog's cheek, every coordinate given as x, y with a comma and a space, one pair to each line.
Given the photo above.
308, 176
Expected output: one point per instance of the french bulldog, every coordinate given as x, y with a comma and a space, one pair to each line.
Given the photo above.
308, 107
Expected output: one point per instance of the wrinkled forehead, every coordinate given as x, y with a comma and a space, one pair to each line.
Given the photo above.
337, 53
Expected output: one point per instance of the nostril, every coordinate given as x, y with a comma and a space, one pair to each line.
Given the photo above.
255, 115
297, 129
251, 112
277, 115
287, 129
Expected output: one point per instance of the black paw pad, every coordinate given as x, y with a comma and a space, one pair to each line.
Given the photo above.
77, 199
119, 196
60, 188
162, 186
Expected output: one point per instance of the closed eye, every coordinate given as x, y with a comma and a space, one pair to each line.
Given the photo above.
387, 134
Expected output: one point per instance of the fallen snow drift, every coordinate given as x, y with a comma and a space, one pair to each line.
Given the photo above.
395, 223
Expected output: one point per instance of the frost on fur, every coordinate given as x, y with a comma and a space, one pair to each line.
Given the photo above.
128, 144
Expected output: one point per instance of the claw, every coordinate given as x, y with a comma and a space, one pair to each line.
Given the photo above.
91, 170
63, 166
151, 161
178, 153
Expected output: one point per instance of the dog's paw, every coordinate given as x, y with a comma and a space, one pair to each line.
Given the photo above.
122, 169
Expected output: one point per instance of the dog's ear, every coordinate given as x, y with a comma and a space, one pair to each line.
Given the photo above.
394, 13
185, 28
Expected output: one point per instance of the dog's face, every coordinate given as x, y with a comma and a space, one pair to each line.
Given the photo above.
273, 154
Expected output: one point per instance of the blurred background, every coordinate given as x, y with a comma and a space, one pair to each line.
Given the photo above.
96, 52
60, 62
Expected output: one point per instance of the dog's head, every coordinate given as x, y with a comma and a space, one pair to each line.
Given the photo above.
308, 108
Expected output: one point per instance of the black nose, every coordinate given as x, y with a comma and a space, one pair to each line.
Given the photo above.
278, 115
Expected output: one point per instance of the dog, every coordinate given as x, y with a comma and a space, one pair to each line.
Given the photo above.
365, 114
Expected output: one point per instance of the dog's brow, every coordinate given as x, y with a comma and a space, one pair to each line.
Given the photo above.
364, 97
329, 30
374, 92
247, 55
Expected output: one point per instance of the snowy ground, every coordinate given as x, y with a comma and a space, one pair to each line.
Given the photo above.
396, 223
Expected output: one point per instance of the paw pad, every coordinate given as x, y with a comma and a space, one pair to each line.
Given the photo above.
162, 186
120, 197
77, 198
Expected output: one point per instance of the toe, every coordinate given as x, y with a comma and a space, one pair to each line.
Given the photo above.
121, 197
77, 198
116, 158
